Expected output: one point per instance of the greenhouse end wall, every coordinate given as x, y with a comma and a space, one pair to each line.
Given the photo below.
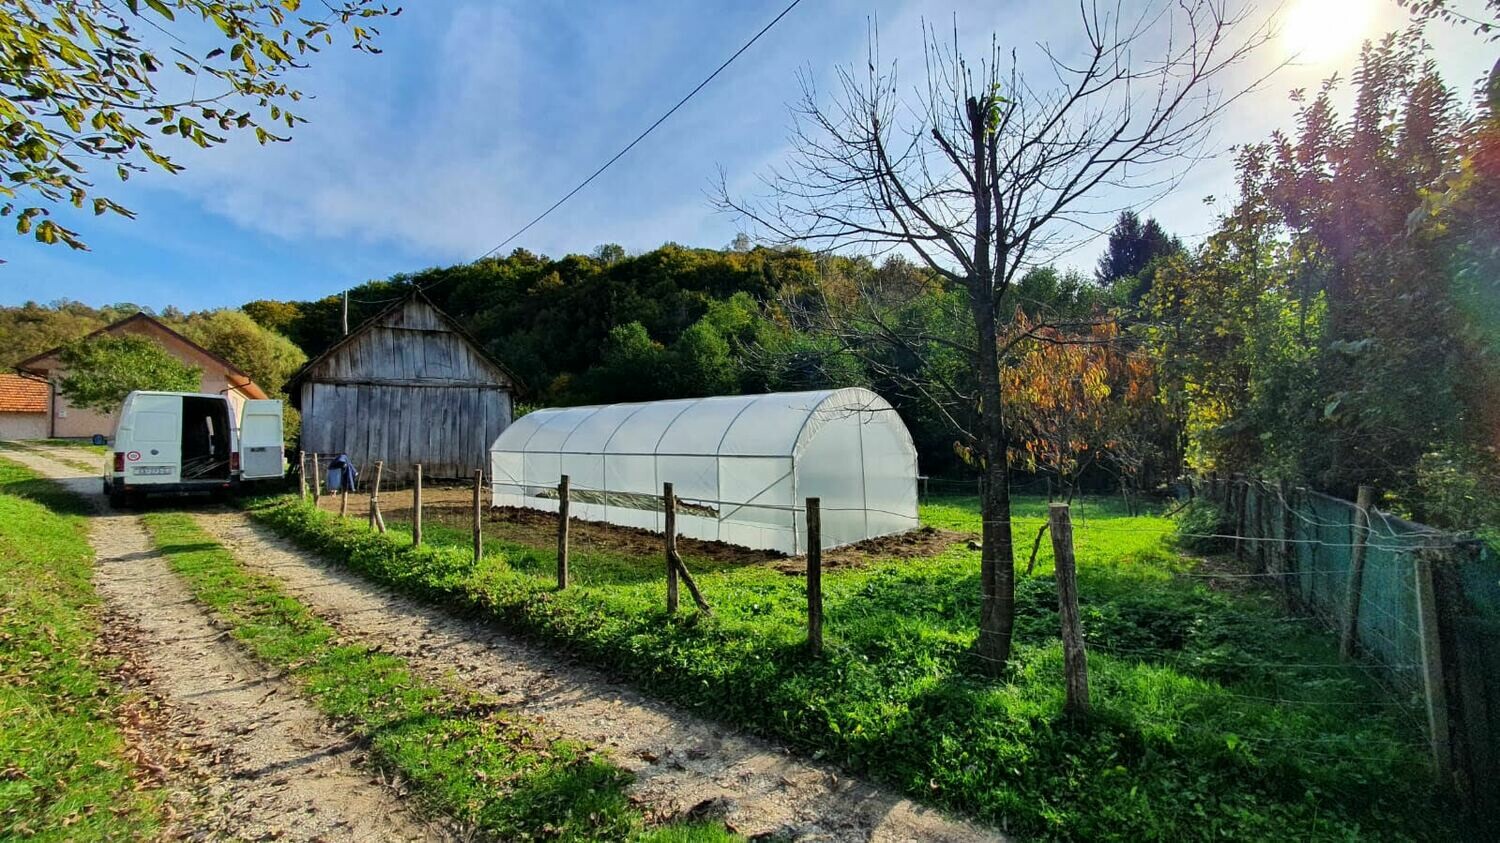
741, 466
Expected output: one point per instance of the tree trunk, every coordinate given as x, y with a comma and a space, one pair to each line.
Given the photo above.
997, 570
997, 566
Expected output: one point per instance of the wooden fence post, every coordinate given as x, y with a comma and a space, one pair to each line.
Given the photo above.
1432, 665
669, 501
377, 521
317, 478
1075, 659
478, 517
1350, 637
1286, 549
416, 507
1242, 489
302, 474
562, 532
814, 577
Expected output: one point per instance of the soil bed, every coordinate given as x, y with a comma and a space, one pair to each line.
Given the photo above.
453, 507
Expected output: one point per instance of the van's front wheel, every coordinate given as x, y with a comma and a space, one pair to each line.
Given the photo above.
117, 500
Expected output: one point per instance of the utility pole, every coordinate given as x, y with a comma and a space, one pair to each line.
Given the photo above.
346, 313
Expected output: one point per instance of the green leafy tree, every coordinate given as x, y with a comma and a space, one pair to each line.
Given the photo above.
266, 356
82, 85
1133, 249
102, 370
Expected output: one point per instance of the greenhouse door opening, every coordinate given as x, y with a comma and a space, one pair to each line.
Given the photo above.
741, 466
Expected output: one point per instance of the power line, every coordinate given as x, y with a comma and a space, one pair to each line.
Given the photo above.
642, 135
618, 155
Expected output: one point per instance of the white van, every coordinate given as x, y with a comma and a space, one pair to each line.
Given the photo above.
179, 442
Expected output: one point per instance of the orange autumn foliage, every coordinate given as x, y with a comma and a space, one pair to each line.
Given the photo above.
1078, 397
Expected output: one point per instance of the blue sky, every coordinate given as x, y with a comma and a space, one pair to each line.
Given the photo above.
480, 114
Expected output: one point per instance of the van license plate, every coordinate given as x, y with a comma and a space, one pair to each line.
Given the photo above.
143, 470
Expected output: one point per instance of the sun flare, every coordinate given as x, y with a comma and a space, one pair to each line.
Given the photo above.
1323, 31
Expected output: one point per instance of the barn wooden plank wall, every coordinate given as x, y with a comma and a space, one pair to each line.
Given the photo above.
406, 389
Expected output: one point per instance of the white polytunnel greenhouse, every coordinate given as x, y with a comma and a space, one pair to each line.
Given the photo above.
741, 466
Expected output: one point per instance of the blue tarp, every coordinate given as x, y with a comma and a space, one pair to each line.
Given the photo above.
342, 475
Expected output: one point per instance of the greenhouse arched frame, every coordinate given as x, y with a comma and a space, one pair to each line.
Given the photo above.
741, 466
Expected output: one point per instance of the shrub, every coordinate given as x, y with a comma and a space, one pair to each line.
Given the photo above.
1200, 525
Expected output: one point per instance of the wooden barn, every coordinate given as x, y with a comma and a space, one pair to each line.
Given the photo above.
408, 386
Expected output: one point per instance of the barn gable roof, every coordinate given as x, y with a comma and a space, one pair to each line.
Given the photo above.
319, 367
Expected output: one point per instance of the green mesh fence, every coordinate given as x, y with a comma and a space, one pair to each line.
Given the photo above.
1308, 539
1305, 541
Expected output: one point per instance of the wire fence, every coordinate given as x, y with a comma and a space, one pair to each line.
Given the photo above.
1422, 606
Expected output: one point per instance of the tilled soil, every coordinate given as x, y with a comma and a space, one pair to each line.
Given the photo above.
268, 765
454, 507
682, 763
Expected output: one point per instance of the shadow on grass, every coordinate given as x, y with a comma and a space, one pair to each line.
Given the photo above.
48, 494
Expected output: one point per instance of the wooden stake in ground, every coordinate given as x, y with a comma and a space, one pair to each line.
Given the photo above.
302, 475
1241, 488
416, 507
343, 501
1432, 663
1075, 659
562, 532
317, 478
676, 568
1350, 636
1288, 552
669, 501
814, 577
478, 518
377, 521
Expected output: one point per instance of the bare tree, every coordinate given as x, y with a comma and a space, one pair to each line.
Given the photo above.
983, 173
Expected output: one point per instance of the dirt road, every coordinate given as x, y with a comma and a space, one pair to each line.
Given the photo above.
269, 766
680, 760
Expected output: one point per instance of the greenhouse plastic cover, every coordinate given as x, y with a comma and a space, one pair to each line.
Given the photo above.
742, 466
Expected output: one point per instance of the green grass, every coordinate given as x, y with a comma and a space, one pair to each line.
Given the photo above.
1215, 715
64, 774
461, 754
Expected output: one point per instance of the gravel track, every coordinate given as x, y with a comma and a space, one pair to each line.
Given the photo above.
681, 761
268, 765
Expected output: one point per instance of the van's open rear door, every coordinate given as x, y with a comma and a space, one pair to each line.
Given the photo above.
261, 454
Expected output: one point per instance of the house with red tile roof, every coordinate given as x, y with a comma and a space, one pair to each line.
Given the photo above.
25, 402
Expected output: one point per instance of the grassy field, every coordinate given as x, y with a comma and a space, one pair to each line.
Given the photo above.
64, 773
1216, 714
461, 754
